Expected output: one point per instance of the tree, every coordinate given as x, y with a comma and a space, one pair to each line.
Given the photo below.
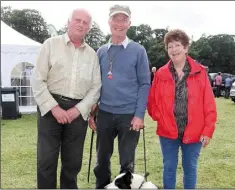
62, 30
215, 51
159, 34
157, 54
141, 34
223, 57
201, 51
95, 38
29, 22
153, 41
6, 14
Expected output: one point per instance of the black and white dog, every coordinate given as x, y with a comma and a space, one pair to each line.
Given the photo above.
130, 181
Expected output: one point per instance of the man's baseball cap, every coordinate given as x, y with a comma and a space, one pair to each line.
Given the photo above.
119, 9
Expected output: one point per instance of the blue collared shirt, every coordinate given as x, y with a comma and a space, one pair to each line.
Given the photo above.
228, 82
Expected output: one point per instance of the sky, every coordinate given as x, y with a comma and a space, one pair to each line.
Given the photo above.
194, 17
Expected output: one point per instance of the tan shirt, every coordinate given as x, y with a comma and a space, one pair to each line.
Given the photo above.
68, 71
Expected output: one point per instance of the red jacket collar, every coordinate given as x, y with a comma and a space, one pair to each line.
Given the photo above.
165, 74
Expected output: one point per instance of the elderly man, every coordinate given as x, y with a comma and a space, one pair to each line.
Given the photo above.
125, 86
66, 84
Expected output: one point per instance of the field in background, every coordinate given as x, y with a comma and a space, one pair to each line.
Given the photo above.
216, 163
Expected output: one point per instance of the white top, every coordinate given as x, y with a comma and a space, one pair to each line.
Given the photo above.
124, 43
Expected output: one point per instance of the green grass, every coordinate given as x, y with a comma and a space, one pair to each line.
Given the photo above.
216, 162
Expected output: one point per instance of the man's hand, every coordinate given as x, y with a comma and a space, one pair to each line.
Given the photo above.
137, 123
205, 140
91, 122
73, 113
61, 115
94, 109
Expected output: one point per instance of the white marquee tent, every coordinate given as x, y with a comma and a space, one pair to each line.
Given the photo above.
18, 57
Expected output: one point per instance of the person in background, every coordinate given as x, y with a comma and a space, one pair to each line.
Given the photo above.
66, 84
182, 102
153, 73
228, 84
218, 83
124, 94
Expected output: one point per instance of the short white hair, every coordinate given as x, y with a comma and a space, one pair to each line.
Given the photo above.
80, 9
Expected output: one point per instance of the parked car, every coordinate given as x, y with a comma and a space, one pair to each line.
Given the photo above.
212, 77
233, 79
232, 92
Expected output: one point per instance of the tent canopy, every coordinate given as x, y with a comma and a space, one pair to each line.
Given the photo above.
9, 36
15, 49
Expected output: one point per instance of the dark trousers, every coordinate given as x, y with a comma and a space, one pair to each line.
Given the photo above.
218, 88
53, 138
227, 91
108, 127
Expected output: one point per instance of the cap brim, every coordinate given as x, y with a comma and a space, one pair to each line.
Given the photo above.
117, 12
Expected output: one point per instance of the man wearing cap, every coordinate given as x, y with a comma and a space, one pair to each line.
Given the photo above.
125, 85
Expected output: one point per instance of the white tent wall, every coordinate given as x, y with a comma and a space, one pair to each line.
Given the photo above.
15, 49
11, 56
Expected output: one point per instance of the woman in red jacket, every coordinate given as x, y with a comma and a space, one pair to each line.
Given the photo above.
182, 102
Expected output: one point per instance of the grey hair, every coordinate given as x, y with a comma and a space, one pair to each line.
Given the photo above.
91, 20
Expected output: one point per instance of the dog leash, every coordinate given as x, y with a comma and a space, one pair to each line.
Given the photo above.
91, 145
145, 176
89, 164
145, 160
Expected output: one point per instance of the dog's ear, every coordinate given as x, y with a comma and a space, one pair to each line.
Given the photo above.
128, 177
121, 184
125, 181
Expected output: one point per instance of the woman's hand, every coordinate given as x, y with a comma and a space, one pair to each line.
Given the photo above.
205, 140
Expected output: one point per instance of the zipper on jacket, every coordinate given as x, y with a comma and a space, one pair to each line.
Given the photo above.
186, 138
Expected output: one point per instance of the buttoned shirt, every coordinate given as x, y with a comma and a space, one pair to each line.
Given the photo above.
181, 98
68, 71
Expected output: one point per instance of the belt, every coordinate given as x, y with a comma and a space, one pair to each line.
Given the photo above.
65, 98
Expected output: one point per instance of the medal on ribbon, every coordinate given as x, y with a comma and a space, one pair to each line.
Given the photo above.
110, 74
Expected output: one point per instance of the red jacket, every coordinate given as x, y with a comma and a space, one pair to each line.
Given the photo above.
202, 113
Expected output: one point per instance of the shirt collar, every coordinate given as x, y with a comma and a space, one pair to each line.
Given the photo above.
124, 43
67, 40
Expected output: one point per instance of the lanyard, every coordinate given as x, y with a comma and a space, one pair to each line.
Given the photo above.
110, 75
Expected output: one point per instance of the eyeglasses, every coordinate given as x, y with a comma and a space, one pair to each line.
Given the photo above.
115, 20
